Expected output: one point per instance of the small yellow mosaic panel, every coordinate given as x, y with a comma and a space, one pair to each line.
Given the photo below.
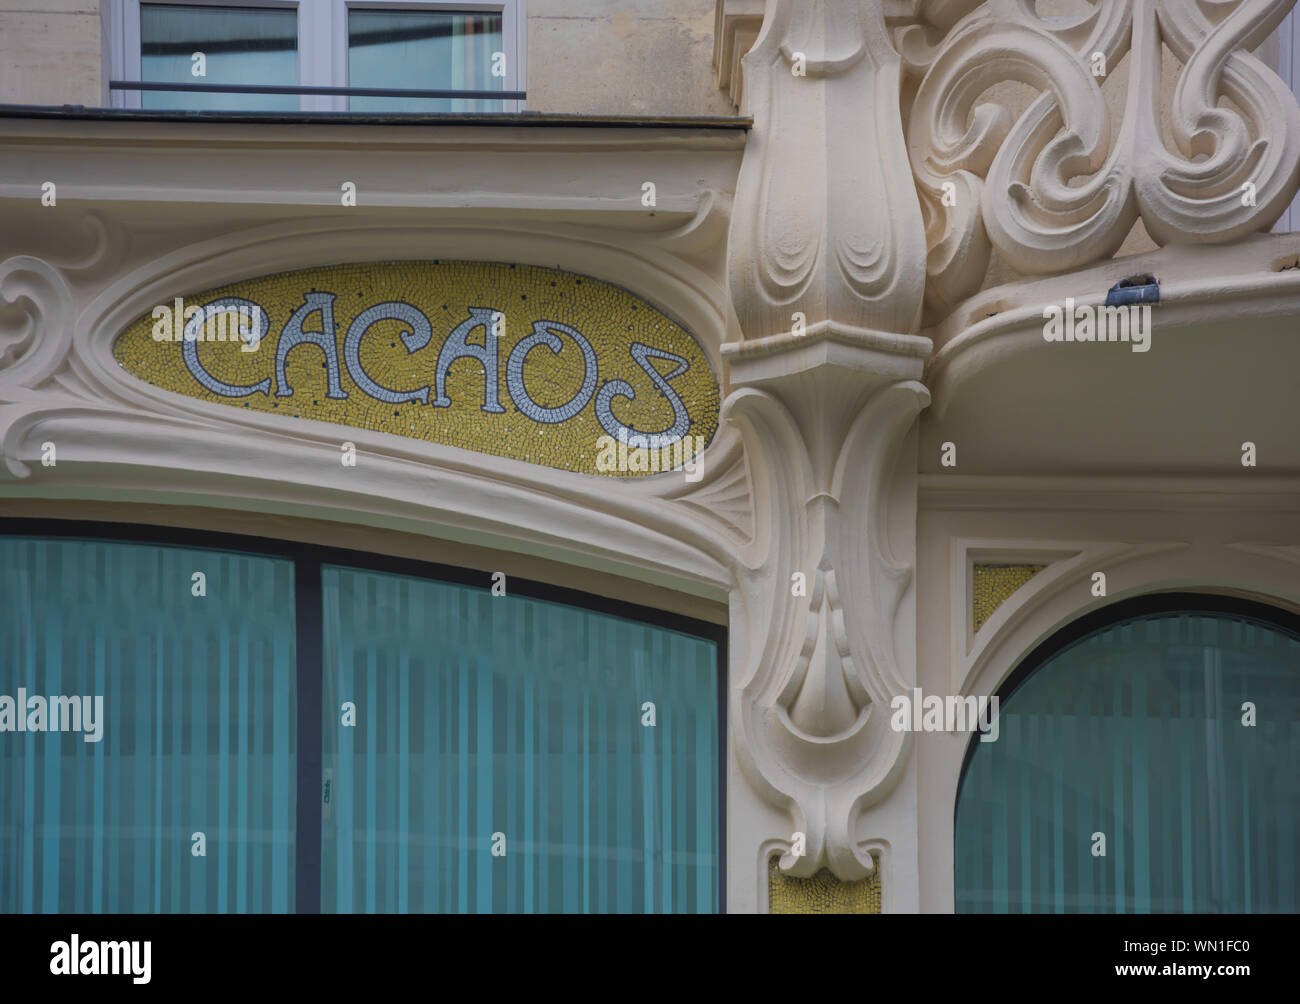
823, 893
599, 362
992, 584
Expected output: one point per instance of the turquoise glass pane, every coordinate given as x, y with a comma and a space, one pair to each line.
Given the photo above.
511, 724
1137, 732
240, 45
196, 730
424, 50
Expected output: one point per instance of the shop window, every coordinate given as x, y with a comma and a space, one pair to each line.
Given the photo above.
1145, 764
155, 765
502, 758
179, 55
206, 729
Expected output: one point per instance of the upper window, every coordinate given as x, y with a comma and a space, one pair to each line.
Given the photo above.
421, 49
1145, 764
237, 45
285, 55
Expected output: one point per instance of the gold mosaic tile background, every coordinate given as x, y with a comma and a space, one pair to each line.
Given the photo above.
609, 317
823, 893
994, 583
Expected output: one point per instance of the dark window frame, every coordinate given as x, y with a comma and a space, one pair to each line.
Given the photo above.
308, 561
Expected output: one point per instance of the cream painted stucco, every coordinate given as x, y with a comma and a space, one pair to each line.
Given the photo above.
857, 323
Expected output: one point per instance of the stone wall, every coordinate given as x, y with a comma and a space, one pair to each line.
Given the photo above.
653, 57
50, 52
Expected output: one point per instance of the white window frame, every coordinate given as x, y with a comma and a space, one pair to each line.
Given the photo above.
322, 42
514, 29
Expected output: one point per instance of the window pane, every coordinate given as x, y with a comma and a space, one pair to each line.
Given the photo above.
478, 716
192, 702
425, 50
240, 45
1136, 733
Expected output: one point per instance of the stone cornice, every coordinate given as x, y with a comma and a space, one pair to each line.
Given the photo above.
371, 120
591, 175
1245, 284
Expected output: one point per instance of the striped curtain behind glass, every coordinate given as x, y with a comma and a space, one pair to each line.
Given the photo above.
1136, 732
198, 730
479, 716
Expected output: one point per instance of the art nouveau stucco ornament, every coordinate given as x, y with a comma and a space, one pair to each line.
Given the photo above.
827, 274
825, 220
824, 605
1060, 185
35, 324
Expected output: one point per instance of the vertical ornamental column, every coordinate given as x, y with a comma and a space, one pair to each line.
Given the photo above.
827, 264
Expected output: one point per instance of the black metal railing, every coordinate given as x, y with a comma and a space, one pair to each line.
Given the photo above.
357, 92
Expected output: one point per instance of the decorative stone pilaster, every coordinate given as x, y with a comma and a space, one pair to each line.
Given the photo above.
823, 630
826, 222
827, 268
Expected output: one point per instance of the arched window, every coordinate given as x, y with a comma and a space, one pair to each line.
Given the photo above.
208, 723
1146, 762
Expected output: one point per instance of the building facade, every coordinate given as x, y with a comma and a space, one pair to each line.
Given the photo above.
802, 456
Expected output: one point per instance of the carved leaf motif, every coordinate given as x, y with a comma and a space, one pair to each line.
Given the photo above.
33, 300
17, 332
824, 697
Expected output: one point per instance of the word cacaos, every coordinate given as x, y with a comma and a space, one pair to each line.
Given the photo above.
250, 325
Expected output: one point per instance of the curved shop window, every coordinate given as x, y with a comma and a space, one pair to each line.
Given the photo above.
1146, 763
220, 724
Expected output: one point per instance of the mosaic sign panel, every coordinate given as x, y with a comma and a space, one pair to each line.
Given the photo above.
517, 361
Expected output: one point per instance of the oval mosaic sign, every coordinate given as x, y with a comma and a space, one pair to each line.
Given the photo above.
516, 361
